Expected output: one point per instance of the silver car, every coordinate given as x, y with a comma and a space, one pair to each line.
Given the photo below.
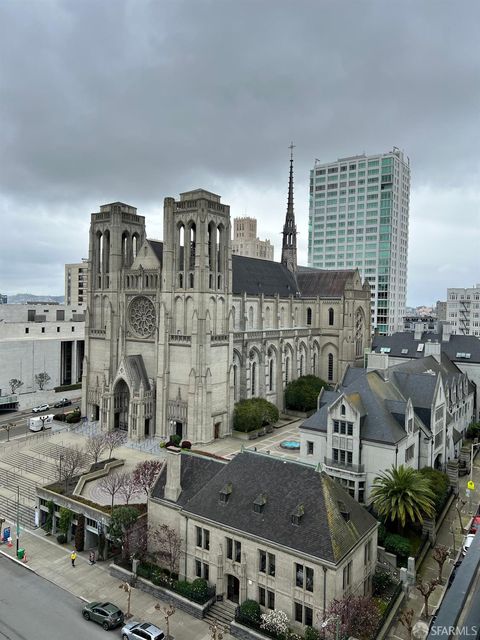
142, 631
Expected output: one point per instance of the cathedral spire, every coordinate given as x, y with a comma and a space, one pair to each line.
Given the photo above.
289, 244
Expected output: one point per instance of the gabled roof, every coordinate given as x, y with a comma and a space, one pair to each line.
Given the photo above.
254, 277
157, 247
323, 283
289, 488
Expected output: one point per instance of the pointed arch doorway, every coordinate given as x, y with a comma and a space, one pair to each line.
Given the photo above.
121, 403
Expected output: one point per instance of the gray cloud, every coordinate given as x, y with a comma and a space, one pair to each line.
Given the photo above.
138, 100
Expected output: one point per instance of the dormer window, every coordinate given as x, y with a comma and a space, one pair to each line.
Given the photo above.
226, 492
297, 515
344, 512
259, 503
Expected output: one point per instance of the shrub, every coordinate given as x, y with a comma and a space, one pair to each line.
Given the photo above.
175, 439
249, 415
61, 538
381, 582
302, 394
68, 387
50, 515
65, 522
60, 417
473, 430
186, 444
311, 634
440, 485
398, 545
182, 587
250, 609
199, 589
80, 533
73, 416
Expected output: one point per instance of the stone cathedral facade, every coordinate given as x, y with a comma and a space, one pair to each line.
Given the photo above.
178, 331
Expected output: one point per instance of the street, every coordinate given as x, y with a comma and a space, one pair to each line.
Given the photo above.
35, 608
20, 420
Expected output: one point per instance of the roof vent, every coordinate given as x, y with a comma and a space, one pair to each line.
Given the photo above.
344, 512
297, 515
259, 503
226, 492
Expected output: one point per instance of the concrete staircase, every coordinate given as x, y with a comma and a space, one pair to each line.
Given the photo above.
222, 612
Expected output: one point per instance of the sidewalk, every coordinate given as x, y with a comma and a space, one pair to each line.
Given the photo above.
51, 561
452, 537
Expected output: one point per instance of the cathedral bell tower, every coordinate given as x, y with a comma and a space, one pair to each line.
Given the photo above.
193, 390
289, 244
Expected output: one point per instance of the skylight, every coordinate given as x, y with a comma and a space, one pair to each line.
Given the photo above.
420, 346
404, 351
385, 349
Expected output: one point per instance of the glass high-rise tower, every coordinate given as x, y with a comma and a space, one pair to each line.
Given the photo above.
358, 217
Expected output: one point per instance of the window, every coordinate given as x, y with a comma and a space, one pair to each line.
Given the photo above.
309, 448
303, 614
202, 569
368, 552
229, 548
303, 577
347, 575
266, 562
27, 330
309, 316
261, 596
203, 538
331, 317
330, 366
410, 452
238, 551
270, 600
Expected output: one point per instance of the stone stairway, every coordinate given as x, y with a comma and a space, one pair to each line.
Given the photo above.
221, 612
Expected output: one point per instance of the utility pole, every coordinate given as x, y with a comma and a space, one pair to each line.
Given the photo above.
18, 518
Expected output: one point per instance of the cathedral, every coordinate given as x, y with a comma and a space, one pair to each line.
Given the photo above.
178, 331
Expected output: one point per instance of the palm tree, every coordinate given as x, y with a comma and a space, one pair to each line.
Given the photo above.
403, 494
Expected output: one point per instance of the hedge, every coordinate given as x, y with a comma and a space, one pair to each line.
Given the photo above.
252, 414
398, 545
250, 609
302, 394
68, 387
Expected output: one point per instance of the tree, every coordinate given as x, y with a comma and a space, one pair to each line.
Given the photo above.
15, 384
406, 620
145, 474
113, 440
43, 419
129, 487
95, 446
357, 616
167, 610
80, 532
167, 545
440, 554
69, 463
402, 495
111, 484
41, 379
254, 413
426, 589
122, 525
302, 394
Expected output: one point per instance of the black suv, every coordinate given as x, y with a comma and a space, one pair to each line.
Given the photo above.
64, 402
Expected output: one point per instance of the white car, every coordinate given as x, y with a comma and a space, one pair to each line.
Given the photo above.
41, 407
467, 543
144, 631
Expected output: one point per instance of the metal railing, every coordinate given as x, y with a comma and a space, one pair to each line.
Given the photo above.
346, 466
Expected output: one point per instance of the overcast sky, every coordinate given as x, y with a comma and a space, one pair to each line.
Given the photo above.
134, 101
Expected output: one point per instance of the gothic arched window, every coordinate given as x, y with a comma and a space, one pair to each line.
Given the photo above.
331, 317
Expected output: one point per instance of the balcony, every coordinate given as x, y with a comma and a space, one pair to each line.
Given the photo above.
344, 466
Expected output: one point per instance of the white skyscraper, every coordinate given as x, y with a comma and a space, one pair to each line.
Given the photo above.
358, 217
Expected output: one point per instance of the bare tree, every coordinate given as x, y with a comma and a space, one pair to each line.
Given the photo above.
95, 446
167, 546
15, 384
69, 463
426, 589
113, 440
129, 487
43, 419
41, 379
145, 474
111, 484
406, 620
440, 554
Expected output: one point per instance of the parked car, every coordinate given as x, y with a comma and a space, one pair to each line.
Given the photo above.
475, 526
105, 613
467, 543
143, 630
41, 407
64, 402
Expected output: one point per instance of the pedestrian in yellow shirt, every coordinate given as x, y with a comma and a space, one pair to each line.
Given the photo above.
73, 557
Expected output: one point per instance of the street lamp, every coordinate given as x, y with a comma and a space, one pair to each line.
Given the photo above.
18, 518
326, 622
471, 458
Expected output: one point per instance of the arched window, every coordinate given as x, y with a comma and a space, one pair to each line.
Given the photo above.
135, 245
301, 365
235, 382
342, 410
331, 317
193, 240
287, 368
250, 318
330, 367
314, 364
270, 375
309, 316
181, 248
253, 376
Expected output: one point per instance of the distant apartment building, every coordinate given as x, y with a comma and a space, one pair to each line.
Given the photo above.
428, 323
441, 310
76, 281
3, 299
37, 338
246, 243
463, 310
358, 217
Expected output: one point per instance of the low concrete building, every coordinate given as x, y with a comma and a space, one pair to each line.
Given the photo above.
267, 529
415, 413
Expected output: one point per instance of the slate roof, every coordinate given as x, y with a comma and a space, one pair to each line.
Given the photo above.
157, 247
322, 531
323, 283
406, 340
254, 277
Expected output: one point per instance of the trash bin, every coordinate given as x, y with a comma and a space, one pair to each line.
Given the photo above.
20, 554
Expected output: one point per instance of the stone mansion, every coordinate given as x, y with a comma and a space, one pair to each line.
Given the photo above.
178, 331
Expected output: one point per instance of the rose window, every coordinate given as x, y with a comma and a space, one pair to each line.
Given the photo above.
141, 316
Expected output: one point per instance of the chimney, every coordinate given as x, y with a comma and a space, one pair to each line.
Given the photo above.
377, 361
446, 331
418, 330
173, 487
433, 349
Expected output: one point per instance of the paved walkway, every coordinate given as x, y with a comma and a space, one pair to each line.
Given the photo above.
451, 535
